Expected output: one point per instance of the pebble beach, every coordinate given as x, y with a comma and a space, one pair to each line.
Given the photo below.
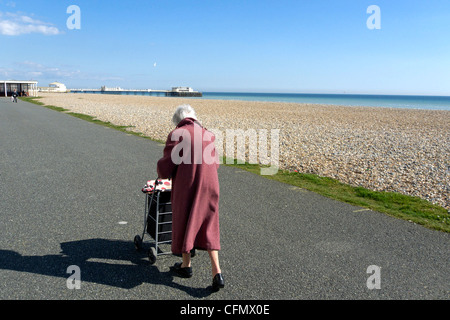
382, 149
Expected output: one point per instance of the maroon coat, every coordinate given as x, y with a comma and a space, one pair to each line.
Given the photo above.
195, 187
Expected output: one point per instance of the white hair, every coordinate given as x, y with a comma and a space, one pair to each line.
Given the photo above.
183, 111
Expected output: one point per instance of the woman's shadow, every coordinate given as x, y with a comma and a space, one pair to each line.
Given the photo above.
90, 255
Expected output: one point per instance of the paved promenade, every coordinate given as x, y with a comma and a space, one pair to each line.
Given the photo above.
70, 195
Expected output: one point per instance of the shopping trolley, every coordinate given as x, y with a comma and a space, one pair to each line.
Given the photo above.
157, 217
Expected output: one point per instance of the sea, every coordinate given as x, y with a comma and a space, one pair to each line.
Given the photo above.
364, 100
387, 101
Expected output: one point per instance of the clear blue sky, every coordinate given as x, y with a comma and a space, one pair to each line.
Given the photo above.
321, 46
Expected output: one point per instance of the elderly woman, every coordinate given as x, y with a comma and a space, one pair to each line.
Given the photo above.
191, 161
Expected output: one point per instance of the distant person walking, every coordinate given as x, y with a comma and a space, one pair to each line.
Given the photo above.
191, 161
15, 95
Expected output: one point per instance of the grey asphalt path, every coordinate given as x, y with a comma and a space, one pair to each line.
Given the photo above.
70, 195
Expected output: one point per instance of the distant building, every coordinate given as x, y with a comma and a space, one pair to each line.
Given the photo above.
104, 88
58, 87
54, 87
182, 89
23, 87
183, 92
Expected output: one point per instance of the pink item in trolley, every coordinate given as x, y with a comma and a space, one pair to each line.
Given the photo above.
161, 185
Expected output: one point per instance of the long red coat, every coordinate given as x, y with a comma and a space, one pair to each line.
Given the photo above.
195, 187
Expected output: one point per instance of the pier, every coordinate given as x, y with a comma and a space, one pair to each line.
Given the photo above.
175, 92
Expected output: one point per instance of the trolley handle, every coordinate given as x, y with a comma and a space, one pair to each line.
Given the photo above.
150, 188
159, 182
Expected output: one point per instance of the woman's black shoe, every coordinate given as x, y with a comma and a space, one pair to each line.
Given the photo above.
218, 282
182, 272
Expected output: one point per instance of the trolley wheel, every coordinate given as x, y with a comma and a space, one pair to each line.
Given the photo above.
138, 242
152, 255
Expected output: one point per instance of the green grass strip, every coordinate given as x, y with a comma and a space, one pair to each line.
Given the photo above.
413, 209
